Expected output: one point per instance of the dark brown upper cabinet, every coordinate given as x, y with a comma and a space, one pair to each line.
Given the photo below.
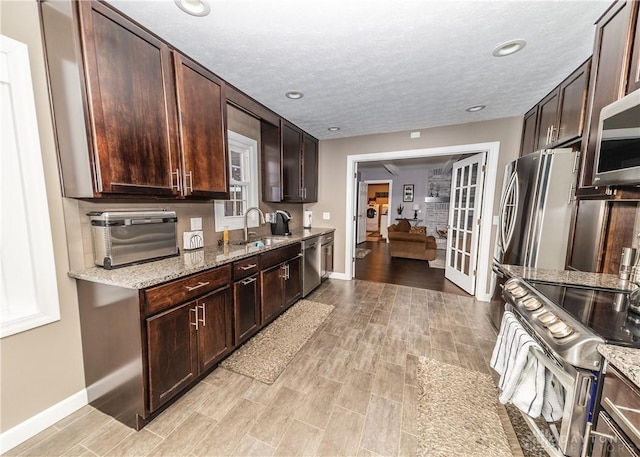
633, 81
131, 104
203, 171
299, 164
559, 117
289, 164
609, 70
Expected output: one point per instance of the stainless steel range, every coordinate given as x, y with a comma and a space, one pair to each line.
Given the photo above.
569, 323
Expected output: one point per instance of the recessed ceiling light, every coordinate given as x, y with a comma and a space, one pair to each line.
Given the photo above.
473, 109
509, 47
194, 7
333, 129
294, 95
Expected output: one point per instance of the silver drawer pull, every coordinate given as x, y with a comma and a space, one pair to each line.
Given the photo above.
249, 267
204, 314
195, 321
200, 284
248, 281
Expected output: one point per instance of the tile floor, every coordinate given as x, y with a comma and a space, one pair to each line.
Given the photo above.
351, 390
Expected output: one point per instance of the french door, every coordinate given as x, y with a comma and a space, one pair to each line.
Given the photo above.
467, 186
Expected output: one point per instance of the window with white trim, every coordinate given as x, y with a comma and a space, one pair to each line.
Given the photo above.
243, 184
28, 285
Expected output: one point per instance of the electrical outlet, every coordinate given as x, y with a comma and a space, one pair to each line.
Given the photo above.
192, 240
415, 134
326, 216
196, 223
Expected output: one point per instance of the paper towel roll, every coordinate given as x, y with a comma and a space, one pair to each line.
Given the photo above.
306, 219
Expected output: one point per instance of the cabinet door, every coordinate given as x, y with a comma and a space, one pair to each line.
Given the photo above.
610, 58
131, 104
310, 169
291, 151
573, 98
202, 131
271, 292
633, 81
215, 320
529, 134
293, 281
547, 115
246, 299
171, 352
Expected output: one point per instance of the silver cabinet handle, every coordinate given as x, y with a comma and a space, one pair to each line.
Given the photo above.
248, 281
200, 284
284, 271
249, 267
204, 314
177, 184
195, 323
288, 271
189, 187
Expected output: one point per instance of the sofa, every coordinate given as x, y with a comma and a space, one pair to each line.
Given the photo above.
411, 242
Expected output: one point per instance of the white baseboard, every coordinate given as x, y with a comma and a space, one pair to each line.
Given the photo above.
34, 425
483, 297
342, 276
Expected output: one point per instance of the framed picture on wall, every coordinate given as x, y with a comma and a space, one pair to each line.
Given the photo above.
407, 193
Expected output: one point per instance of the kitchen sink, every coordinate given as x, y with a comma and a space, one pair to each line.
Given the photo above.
265, 241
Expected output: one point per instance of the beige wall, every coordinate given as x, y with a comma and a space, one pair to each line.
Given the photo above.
333, 163
41, 367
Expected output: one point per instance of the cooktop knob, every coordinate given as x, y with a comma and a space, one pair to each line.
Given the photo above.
560, 329
548, 318
531, 304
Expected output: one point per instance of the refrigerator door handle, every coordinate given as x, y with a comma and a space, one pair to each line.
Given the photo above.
509, 211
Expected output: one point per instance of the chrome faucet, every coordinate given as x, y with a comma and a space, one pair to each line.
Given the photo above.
260, 221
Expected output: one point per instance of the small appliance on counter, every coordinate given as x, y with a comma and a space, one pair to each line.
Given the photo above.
281, 224
306, 219
129, 237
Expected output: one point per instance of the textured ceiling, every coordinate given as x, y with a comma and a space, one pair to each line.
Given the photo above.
372, 66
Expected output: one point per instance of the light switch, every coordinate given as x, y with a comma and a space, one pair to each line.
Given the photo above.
415, 134
326, 216
196, 223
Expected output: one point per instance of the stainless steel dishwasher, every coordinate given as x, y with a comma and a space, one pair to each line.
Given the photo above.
311, 266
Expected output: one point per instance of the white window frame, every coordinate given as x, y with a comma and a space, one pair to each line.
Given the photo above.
248, 146
18, 313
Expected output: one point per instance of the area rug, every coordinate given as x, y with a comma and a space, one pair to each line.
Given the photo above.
361, 253
440, 260
459, 414
268, 353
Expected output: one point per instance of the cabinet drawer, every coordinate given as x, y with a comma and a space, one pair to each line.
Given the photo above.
270, 258
246, 267
173, 293
621, 399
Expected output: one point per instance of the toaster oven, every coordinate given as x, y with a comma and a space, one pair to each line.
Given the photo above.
129, 237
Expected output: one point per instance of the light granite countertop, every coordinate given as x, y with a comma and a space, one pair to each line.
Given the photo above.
626, 360
188, 262
576, 278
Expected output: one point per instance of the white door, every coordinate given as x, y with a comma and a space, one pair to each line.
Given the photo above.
467, 188
362, 212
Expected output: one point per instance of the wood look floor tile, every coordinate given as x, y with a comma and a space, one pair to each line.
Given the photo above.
375, 334
78, 451
337, 365
273, 422
410, 410
350, 339
445, 356
411, 370
316, 407
302, 373
356, 391
408, 445
471, 357
382, 426
418, 325
300, 439
389, 381
442, 340
366, 358
251, 447
394, 351
342, 436
135, 445
224, 438
419, 345
41, 437
380, 317
397, 330
322, 345
70, 435
222, 399
107, 437
185, 437
360, 320
86, 409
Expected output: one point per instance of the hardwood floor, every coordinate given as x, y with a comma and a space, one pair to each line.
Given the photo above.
378, 266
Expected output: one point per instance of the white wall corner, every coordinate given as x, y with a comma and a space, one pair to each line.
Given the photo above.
341, 276
34, 425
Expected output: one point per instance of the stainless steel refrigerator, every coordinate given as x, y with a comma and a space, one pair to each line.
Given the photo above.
536, 209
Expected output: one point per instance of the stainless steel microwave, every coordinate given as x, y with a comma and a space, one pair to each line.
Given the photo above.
618, 151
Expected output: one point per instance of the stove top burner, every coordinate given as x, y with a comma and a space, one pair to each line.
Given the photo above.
604, 311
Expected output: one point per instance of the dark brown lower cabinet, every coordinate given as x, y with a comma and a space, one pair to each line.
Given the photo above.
185, 341
246, 298
281, 286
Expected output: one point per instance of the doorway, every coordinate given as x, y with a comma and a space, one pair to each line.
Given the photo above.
486, 229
